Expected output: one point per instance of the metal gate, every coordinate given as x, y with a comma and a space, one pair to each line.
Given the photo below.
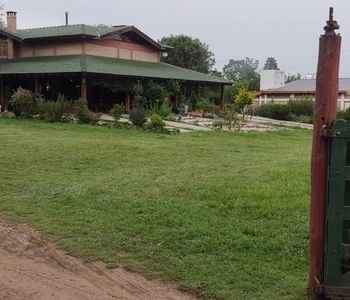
337, 248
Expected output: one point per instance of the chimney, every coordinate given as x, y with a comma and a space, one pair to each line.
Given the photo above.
12, 21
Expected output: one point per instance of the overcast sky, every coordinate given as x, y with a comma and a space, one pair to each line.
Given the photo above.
286, 30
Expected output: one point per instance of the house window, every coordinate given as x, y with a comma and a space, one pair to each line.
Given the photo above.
3, 49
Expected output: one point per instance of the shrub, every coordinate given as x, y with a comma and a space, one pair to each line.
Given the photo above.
346, 114
281, 112
23, 103
163, 109
302, 107
156, 124
137, 115
83, 114
117, 111
207, 106
264, 110
244, 98
52, 111
303, 119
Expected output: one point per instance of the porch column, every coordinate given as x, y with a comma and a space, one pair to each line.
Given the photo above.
341, 102
176, 102
36, 86
222, 98
2, 95
83, 88
127, 102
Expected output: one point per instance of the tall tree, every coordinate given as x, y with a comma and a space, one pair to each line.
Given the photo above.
188, 53
290, 78
271, 64
243, 73
2, 22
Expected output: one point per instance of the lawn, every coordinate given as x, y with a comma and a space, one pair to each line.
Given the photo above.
225, 214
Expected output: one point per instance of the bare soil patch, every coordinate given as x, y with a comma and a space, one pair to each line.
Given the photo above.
32, 268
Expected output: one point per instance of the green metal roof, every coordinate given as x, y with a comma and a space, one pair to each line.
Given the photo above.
65, 31
102, 65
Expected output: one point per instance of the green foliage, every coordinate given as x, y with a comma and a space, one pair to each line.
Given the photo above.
243, 72
207, 106
52, 111
23, 103
231, 115
162, 108
302, 119
188, 53
230, 93
264, 110
281, 112
270, 64
303, 106
83, 114
117, 111
346, 114
82, 111
243, 99
290, 78
156, 124
137, 115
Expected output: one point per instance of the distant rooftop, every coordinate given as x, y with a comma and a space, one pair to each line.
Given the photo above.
307, 86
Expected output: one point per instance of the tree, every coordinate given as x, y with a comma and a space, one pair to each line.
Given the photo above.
243, 73
2, 22
270, 64
244, 98
290, 78
188, 53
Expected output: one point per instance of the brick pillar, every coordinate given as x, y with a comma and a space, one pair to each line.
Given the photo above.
83, 88
127, 102
222, 97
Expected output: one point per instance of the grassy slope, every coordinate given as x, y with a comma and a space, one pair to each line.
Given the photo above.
223, 213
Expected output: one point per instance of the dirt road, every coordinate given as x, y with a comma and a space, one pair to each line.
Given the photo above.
33, 269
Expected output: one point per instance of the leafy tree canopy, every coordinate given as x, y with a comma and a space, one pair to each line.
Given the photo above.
188, 53
243, 73
2, 22
290, 78
271, 64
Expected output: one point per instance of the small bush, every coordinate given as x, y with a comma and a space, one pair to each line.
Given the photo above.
81, 111
302, 107
264, 110
137, 115
281, 112
156, 124
23, 103
117, 111
346, 114
52, 111
164, 109
207, 106
83, 114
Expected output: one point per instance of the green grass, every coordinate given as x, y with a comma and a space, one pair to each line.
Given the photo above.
225, 214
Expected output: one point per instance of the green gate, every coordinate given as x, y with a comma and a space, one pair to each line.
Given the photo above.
337, 248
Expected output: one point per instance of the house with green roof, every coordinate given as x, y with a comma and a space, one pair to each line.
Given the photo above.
77, 60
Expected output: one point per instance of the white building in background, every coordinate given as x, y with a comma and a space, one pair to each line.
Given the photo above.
271, 79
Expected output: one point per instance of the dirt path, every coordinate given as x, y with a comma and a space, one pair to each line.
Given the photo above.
32, 269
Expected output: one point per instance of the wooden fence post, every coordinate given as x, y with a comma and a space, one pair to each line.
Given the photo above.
327, 89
